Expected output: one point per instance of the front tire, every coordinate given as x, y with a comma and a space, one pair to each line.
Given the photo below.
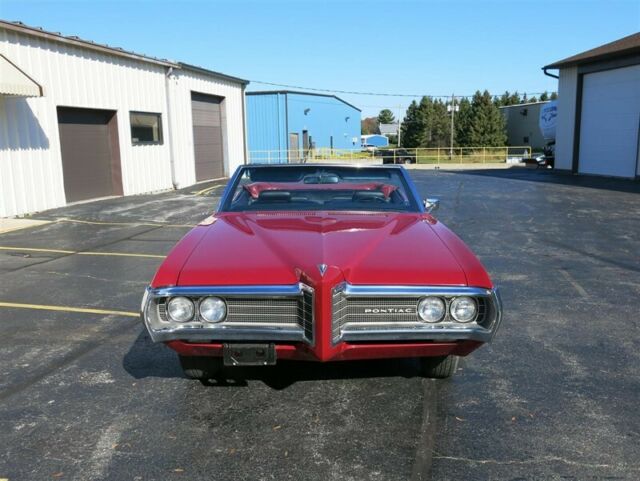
200, 367
441, 367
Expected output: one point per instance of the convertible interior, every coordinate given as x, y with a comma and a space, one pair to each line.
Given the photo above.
320, 191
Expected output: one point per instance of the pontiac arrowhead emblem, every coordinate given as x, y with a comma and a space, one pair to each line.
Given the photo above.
322, 268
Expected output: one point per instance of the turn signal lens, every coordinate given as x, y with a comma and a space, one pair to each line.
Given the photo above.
213, 309
463, 309
181, 309
432, 309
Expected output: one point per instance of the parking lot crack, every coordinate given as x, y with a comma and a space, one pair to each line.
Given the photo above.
80, 252
543, 459
95, 278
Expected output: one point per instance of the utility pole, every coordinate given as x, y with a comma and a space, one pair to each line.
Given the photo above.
399, 123
453, 108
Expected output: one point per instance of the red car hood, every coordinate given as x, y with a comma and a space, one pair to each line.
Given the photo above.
286, 247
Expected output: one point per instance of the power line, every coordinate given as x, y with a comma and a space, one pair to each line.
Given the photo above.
377, 94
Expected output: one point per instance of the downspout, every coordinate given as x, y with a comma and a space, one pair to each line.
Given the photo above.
172, 155
244, 124
544, 70
286, 128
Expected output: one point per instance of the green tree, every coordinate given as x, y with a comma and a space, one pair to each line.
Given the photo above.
486, 126
544, 96
533, 99
426, 124
463, 123
369, 125
508, 98
438, 125
412, 128
554, 96
386, 117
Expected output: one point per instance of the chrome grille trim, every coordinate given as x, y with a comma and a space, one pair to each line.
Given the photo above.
393, 313
253, 313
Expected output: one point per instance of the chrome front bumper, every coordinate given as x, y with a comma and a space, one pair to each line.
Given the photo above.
286, 313
350, 324
253, 314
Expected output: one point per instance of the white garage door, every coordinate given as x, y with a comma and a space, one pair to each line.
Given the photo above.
610, 122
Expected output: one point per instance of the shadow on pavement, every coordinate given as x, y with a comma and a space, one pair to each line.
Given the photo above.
556, 177
146, 359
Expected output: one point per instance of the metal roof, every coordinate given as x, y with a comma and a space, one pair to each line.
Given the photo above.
525, 105
77, 41
388, 129
20, 27
267, 92
629, 45
195, 68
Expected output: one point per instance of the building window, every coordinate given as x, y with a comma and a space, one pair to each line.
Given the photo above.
146, 128
525, 140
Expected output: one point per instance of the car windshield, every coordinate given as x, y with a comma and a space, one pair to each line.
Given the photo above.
311, 188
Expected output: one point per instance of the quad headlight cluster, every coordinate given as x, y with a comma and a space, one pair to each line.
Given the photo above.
434, 309
209, 309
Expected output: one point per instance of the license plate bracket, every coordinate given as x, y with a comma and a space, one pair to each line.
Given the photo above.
249, 354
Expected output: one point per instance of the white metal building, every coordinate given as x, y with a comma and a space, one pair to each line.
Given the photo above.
522, 123
598, 129
79, 120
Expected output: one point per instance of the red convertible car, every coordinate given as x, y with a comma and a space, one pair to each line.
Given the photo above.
321, 263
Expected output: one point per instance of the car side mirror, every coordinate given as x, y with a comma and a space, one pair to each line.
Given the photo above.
431, 204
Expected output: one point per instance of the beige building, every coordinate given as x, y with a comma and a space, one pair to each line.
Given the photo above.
523, 127
80, 121
598, 126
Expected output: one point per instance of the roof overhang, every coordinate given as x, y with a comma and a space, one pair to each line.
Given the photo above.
624, 47
74, 41
78, 42
300, 92
204, 71
15, 82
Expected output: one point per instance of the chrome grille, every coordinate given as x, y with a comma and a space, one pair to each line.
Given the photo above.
400, 309
296, 311
305, 309
339, 308
364, 312
262, 311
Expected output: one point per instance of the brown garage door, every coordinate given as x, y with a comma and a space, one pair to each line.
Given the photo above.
90, 153
207, 136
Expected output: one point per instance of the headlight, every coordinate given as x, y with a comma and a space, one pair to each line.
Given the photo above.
463, 309
432, 309
181, 309
213, 309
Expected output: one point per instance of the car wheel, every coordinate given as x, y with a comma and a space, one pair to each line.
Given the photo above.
200, 367
440, 367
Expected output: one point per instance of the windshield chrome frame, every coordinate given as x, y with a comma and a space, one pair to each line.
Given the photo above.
411, 191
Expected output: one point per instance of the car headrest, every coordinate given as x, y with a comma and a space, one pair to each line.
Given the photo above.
368, 195
274, 196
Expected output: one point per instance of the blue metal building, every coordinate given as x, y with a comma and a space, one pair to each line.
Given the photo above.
283, 125
375, 140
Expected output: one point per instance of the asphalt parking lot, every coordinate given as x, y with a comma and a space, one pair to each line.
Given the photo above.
85, 395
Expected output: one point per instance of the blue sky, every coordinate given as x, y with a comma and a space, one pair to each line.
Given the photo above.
412, 47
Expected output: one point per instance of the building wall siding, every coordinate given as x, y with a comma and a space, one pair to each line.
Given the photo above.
267, 127
271, 117
180, 85
520, 126
567, 89
31, 176
30, 159
327, 117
